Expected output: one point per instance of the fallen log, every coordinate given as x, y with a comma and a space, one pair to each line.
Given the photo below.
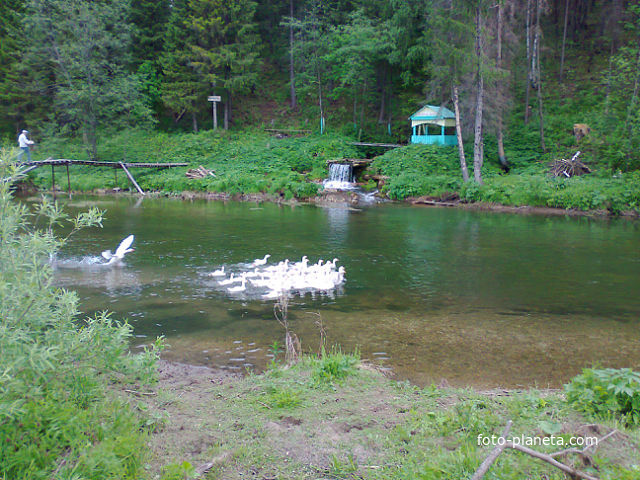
495, 453
205, 467
549, 458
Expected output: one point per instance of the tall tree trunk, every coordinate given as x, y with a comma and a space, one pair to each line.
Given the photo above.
564, 37
227, 111
608, 90
320, 103
194, 120
528, 35
538, 53
456, 109
362, 97
477, 142
292, 79
499, 134
383, 94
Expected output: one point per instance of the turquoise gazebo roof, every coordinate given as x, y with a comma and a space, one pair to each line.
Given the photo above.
432, 112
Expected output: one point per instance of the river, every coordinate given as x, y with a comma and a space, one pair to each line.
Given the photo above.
431, 294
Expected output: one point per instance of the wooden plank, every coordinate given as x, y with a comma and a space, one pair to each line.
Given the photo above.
384, 145
96, 163
131, 178
68, 181
28, 169
356, 162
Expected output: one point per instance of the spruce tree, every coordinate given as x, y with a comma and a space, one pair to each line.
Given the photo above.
183, 89
225, 46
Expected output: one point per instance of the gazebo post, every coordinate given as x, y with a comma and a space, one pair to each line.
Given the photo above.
442, 133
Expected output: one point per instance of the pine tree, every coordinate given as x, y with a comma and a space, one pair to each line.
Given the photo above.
149, 22
225, 46
183, 89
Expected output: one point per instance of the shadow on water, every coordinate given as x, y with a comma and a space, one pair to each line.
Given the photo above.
477, 298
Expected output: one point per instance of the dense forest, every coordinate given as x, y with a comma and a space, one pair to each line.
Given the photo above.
84, 68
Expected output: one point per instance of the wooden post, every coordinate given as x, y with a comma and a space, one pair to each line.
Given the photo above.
53, 181
68, 181
131, 178
214, 99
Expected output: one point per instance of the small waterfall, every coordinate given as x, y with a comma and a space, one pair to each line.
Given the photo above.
340, 177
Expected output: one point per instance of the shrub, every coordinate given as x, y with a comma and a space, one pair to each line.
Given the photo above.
606, 392
55, 411
334, 366
283, 397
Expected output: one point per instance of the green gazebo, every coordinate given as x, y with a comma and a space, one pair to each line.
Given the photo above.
434, 126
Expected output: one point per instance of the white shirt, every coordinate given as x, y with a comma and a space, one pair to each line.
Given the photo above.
23, 141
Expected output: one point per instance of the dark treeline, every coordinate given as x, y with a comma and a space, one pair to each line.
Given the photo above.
80, 67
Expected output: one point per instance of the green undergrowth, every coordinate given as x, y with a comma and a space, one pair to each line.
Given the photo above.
420, 170
252, 162
244, 162
287, 424
59, 415
606, 393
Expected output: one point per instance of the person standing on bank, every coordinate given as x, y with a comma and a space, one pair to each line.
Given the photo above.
24, 143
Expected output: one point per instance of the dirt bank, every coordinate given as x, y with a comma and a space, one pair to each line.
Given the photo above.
284, 425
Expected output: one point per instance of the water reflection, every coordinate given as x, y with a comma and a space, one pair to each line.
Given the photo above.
476, 298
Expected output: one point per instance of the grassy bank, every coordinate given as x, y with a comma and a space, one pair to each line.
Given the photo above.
337, 419
244, 162
432, 171
256, 162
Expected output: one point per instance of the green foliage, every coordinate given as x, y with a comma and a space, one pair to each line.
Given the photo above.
334, 366
346, 468
55, 410
225, 44
283, 397
606, 393
281, 167
182, 89
81, 48
149, 20
418, 170
274, 350
178, 471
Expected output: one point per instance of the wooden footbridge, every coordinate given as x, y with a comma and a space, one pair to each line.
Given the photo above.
125, 166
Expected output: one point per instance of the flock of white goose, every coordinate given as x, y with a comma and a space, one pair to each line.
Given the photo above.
284, 278
275, 280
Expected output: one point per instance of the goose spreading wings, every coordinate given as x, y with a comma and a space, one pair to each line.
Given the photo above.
121, 251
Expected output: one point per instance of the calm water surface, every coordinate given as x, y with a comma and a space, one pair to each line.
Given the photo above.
475, 298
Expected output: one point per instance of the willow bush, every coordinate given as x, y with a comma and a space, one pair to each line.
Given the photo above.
58, 416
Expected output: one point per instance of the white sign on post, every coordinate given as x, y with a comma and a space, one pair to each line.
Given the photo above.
214, 99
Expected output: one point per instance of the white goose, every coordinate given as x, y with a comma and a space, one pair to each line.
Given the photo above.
239, 288
121, 251
260, 261
229, 281
218, 273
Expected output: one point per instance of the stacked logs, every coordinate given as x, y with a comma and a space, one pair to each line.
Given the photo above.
199, 172
569, 168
